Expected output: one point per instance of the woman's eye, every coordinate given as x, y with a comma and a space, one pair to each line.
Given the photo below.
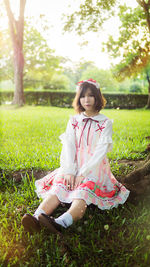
87, 96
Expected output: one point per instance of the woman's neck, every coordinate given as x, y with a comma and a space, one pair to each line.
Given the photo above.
90, 114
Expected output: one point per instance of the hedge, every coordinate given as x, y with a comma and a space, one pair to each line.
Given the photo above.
64, 99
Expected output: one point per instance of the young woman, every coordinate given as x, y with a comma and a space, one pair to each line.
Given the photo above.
84, 176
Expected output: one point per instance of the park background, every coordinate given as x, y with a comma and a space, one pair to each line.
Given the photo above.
58, 51
56, 57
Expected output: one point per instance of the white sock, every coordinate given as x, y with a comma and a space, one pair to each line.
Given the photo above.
38, 212
65, 220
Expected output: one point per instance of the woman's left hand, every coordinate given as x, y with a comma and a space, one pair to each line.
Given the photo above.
78, 180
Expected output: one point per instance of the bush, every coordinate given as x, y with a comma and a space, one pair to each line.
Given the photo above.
65, 98
58, 82
135, 88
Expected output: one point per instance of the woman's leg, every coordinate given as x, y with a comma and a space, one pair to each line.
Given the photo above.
74, 213
49, 204
77, 209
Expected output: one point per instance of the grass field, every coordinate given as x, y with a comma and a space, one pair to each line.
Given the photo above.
30, 141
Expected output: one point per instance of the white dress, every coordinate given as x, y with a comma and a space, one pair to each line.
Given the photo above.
86, 142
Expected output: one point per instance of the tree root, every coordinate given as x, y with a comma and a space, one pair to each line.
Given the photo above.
138, 181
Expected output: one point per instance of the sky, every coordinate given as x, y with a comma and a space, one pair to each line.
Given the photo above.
68, 44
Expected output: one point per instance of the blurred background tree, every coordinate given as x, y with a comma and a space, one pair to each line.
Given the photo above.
40, 62
132, 46
16, 30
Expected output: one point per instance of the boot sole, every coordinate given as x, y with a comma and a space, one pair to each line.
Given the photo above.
29, 224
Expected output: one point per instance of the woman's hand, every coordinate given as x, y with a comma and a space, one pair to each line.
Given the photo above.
78, 181
69, 181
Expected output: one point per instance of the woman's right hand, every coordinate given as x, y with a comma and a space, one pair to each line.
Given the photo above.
69, 181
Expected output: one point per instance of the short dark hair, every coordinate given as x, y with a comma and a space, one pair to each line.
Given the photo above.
100, 101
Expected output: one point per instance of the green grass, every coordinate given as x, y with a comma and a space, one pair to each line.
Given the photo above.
30, 136
118, 237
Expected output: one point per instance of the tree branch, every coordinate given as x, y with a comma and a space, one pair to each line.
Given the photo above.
141, 3
146, 7
144, 4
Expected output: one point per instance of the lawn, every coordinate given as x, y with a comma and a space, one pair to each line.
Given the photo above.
29, 142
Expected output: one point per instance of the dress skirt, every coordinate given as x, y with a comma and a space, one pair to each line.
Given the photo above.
106, 192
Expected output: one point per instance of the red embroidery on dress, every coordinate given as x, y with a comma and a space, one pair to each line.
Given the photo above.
101, 127
48, 184
75, 125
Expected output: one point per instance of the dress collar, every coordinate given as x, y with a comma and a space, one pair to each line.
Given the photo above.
81, 116
99, 117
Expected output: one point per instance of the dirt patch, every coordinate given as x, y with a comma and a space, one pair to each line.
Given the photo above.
129, 162
37, 174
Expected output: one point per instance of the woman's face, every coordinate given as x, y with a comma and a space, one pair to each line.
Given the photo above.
88, 101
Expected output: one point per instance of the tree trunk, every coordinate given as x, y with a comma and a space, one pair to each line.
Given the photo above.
16, 32
148, 102
18, 77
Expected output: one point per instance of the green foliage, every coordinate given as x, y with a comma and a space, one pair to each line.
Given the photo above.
42, 67
74, 71
57, 82
104, 77
132, 46
40, 62
90, 16
124, 86
6, 85
135, 88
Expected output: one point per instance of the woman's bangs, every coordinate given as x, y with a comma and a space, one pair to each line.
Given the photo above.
84, 88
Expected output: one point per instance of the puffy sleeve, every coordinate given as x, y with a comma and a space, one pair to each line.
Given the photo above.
103, 146
68, 154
